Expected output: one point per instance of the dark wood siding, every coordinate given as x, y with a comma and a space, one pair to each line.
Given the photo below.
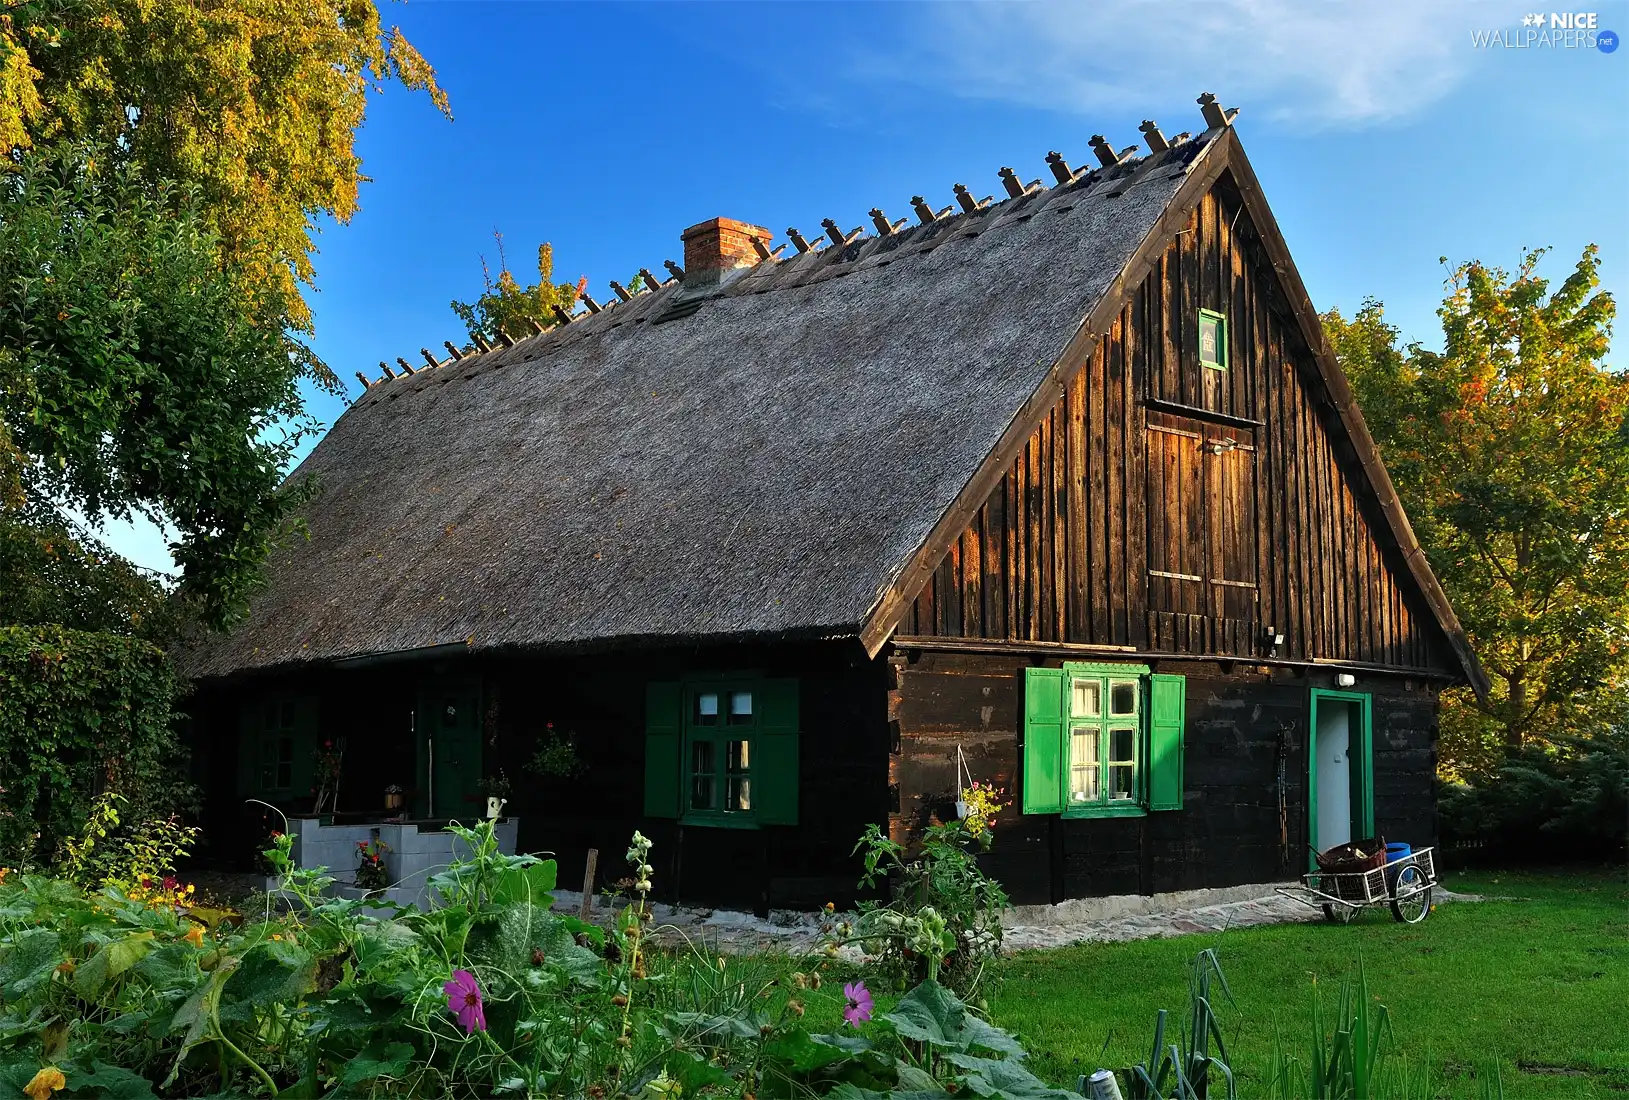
1153, 470
1242, 722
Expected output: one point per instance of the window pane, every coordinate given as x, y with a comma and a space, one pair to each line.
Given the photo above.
740, 707
1120, 781
1122, 746
1086, 700
1084, 776
740, 793
288, 716
740, 756
1123, 697
707, 709
1210, 340
285, 750
701, 777
285, 776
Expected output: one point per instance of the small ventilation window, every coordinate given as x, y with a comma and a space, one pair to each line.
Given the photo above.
1212, 340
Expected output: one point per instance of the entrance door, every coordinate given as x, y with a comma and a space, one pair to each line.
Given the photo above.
449, 734
1340, 772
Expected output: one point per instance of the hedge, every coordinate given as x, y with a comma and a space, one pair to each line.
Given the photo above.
80, 713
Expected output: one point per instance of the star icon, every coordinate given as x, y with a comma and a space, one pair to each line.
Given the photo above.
1538, 19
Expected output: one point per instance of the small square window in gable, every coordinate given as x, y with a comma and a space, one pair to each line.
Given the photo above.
1212, 340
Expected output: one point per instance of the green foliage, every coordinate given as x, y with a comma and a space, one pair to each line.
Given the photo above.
342, 998
139, 376
1510, 450
1182, 1069
556, 756
256, 105
1568, 799
81, 713
507, 308
51, 573
944, 921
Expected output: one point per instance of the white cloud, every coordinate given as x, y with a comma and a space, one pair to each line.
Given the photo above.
1313, 62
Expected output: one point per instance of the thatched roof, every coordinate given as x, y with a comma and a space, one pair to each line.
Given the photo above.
764, 466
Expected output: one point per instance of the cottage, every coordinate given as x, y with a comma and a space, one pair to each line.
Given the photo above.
1065, 487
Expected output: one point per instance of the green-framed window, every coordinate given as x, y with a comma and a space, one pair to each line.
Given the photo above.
1102, 740
277, 736
1212, 339
722, 751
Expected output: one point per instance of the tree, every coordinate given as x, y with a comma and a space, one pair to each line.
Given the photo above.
139, 374
506, 307
1510, 450
255, 102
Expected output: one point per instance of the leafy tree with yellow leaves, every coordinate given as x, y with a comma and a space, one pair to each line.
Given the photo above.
254, 102
1510, 450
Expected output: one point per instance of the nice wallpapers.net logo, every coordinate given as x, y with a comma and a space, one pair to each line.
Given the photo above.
1556, 30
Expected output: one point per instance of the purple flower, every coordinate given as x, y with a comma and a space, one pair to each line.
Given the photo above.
464, 1001
858, 1009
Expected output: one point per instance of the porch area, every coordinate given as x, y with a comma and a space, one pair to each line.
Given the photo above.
415, 850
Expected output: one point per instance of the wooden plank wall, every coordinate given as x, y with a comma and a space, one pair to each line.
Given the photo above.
1061, 550
1240, 720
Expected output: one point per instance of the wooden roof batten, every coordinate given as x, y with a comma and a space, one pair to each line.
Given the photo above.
1222, 153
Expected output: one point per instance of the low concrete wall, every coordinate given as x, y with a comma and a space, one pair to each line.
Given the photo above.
413, 854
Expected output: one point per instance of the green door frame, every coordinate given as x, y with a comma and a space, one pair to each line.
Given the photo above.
1362, 775
441, 685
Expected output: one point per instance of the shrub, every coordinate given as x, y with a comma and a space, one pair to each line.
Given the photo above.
81, 713
944, 922
1566, 800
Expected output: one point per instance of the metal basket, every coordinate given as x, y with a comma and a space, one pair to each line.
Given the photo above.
1358, 887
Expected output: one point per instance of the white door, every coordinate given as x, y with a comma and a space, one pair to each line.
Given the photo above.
1333, 746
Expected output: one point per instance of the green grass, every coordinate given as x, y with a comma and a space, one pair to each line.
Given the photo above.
1540, 981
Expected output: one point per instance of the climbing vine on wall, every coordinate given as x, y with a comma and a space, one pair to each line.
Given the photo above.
80, 713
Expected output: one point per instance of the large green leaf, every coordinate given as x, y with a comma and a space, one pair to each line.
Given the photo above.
108, 1083
528, 883
271, 973
194, 1015
390, 1061
1004, 1077
93, 975
932, 1014
27, 960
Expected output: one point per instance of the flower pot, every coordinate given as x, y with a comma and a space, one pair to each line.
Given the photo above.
393, 800
961, 810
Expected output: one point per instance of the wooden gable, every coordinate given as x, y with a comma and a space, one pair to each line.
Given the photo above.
1195, 490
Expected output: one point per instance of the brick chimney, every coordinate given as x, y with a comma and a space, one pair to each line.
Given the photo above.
718, 246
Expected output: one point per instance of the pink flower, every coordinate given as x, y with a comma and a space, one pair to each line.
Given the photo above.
858, 1009
464, 1001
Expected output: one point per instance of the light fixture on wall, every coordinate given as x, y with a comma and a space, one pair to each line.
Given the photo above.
1272, 639
1345, 679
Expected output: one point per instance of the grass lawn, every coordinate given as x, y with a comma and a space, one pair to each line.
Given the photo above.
1541, 981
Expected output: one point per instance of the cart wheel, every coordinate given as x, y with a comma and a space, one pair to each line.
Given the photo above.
1410, 896
1340, 914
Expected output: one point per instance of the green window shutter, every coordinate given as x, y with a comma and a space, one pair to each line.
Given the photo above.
664, 712
775, 754
1166, 710
307, 739
1043, 740
249, 748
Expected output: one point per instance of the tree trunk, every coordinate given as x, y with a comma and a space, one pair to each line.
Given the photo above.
1516, 709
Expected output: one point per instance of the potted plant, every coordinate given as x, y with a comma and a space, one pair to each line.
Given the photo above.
393, 797
497, 791
370, 865
556, 756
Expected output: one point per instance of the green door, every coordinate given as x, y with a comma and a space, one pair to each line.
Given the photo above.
449, 734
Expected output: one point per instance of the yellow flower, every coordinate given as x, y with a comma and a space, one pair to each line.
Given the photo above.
44, 1083
195, 935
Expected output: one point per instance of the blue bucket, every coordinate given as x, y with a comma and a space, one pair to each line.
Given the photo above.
1394, 854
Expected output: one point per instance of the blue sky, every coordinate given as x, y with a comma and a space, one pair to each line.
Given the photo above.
1382, 135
